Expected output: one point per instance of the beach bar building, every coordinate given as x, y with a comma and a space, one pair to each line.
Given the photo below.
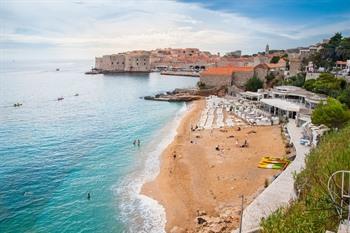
290, 101
280, 107
254, 96
297, 95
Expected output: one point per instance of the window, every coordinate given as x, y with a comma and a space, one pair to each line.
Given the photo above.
137, 63
144, 63
112, 63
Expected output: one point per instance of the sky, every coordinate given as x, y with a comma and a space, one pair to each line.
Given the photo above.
83, 29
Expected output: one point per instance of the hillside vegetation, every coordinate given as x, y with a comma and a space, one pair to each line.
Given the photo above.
314, 210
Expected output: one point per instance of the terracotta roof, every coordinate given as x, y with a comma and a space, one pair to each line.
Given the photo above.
278, 65
341, 62
271, 65
226, 70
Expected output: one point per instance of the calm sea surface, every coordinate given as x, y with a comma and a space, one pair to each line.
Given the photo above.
53, 153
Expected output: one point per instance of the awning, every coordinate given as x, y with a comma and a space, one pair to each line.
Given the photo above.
282, 104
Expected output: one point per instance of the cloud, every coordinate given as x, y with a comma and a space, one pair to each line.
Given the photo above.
102, 27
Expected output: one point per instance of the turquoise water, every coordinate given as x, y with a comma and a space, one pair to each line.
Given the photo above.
53, 153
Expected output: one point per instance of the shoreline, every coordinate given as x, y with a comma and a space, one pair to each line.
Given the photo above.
149, 214
193, 178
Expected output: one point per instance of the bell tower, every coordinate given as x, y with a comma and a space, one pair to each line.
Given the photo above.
267, 49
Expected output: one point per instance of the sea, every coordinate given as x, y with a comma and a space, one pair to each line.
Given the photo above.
54, 153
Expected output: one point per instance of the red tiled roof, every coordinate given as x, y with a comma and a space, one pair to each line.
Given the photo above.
226, 70
341, 62
271, 65
278, 65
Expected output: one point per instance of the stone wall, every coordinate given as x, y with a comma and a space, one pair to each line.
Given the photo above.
216, 80
137, 63
98, 63
294, 66
110, 63
260, 73
240, 78
312, 76
118, 62
124, 62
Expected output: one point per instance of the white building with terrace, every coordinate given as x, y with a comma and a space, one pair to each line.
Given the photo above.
297, 95
285, 101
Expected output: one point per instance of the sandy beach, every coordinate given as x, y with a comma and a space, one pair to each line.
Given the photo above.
197, 179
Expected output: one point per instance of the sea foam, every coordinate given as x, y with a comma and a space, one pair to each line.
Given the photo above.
142, 213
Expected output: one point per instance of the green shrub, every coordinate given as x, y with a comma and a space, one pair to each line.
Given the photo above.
309, 84
275, 59
253, 84
297, 80
332, 114
201, 85
314, 210
326, 84
344, 97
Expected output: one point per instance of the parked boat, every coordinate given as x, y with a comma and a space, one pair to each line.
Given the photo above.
60, 98
17, 105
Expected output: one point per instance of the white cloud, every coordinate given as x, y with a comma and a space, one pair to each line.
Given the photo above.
100, 27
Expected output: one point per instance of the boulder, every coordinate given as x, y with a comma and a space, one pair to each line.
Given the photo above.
177, 229
201, 213
201, 220
217, 228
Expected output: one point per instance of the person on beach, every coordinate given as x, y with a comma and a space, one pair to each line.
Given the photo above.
134, 142
138, 142
237, 143
245, 142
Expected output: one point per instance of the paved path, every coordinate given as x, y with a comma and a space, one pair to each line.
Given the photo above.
281, 191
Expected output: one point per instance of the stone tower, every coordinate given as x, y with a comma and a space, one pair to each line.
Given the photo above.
267, 49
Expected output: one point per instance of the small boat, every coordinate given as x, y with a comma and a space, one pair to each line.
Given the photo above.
273, 163
60, 98
17, 105
77, 94
57, 69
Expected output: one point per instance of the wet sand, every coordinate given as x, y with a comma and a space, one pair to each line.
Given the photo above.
194, 176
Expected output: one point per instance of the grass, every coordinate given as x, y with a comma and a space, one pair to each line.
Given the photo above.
314, 211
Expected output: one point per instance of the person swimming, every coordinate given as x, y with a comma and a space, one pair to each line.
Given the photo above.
138, 142
88, 196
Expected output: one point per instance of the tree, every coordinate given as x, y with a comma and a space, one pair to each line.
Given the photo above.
275, 59
326, 84
201, 85
335, 40
253, 84
344, 97
338, 48
309, 84
343, 50
297, 80
332, 114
